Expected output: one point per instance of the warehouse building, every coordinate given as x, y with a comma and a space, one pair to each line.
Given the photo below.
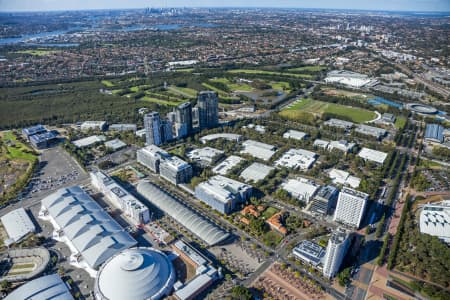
434, 133
207, 231
135, 274
89, 141
120, 198
223, 194
92, 234
171, 168
297, 159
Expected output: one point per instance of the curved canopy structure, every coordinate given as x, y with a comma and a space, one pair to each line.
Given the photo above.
93, 232
135, 274
200, 226
46, 287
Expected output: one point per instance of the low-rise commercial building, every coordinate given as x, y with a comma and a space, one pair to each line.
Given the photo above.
301, 188
258, 149
29, 131
256, 172
223, 194
43, 140
379, 133
120, 197
339, 124
309, 252
225, 166
226, 136
206, 156
297, 159
434, 133
372, 155
170, 167
344, 178
123, 127
341, 145
89, 141
115, 144
296, 135
94, 125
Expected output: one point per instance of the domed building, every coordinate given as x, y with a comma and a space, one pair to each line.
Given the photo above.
135, 274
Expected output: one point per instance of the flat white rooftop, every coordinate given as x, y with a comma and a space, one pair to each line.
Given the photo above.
225, 166
344, 178
256, 172
259, 150
90, 140
294, 134
301, 188
297, 158
372, 155
205, 154
115, 144
17, 224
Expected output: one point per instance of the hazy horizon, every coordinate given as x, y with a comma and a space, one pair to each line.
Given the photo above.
383, 5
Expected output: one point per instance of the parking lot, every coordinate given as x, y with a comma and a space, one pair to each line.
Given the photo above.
56, 169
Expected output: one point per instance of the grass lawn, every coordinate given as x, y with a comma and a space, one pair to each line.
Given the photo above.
22, 266
357, 115
185, 70
187, 92
159, 101
221, 93
271, 238
308, 69
234, 86
270, 211
37, 52
107, 83
20, 150
400, 122
134, 89
263, 72
280, 85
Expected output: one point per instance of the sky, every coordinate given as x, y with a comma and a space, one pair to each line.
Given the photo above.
399, 5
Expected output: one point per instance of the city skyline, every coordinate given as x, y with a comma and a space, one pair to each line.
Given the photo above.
384, 5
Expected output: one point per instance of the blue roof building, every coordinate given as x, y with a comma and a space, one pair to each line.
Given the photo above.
27, 132
43, 140
434, 133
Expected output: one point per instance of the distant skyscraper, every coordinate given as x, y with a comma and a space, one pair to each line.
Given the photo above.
208, 109
350, 207
184, 117
152, 125
337, 248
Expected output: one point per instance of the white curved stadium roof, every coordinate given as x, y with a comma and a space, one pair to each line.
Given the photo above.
135, 274
95, 234
204, 229
42, 288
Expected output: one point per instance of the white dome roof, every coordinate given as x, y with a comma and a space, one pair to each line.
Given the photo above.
135, 274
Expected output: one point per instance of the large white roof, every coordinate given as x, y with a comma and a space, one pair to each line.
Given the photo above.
435, 220
200, 226
17, 224
256, 172
258, 149
93, 232
135, 274
42, 288
226, 136
297, 158
372, 155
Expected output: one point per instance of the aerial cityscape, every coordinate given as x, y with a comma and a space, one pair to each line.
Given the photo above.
197, 150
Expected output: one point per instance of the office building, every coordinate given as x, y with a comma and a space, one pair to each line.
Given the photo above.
435, 220
166, 131
223, 194
337, 247
122, 127
350, 207
226, 136
258, 149
225, 166
208, 109
183, 117
309, 252
376, 132
115, 144
294, 134
206, 156
256, 172
120, 197
89, 141
297, 159
170, 167
344, 178
324, 202
372, 155
341, 145
29, 131
152, 125
301, 188
94, 125
346, 125
43, 140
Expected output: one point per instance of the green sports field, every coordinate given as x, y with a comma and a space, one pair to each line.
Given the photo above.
357, 115
263, 72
